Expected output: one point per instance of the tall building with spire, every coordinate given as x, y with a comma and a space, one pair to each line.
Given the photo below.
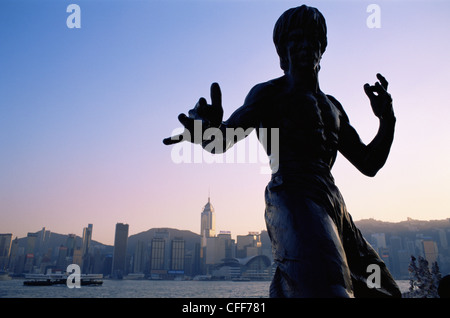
208, 221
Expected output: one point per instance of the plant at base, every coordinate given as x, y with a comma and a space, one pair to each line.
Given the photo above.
422, 282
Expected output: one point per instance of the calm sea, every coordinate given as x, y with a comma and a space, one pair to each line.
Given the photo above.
144, 289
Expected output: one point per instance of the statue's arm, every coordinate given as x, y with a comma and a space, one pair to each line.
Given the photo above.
239, 125
204, 124
368, 159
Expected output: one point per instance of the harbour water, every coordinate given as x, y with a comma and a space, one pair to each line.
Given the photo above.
145, 289
140, 289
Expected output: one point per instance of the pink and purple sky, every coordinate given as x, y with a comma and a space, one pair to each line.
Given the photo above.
83, 111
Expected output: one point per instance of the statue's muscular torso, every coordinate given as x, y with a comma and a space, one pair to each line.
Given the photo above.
308, 123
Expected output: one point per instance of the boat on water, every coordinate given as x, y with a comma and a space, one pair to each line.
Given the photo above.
202, 278
61, 279
240, 279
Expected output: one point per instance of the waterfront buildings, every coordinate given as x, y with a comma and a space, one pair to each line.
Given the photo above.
176, 254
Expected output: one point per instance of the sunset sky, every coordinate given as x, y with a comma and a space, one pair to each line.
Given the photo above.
83, 111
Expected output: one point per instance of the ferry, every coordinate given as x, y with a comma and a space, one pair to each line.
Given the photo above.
240, 279
61, 279
203, 278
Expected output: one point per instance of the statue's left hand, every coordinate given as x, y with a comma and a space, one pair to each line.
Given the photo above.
380, 99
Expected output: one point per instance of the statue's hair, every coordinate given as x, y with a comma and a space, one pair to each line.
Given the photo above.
308, 18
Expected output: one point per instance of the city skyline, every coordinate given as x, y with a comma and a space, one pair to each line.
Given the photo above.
159, 252
83, 111
80, 233
87, 233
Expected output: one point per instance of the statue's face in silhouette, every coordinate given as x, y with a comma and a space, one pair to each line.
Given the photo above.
303, 51
300, 37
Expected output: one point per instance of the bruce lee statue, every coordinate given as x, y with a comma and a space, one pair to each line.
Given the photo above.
317, 249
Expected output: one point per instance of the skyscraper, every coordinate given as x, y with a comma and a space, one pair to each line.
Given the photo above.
5, 248
42, 240
70, 244
177, 254
248, 245
208, 222
160, 253
61, 262
16, 257
218, 248
87, 237
120, 250
140, 257
86, 242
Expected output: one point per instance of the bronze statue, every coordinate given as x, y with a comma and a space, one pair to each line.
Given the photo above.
318, 250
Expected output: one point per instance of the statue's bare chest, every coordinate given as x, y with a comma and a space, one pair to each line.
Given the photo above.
308, 114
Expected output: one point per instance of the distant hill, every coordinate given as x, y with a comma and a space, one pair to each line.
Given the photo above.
56, 240
410, 226
191, 238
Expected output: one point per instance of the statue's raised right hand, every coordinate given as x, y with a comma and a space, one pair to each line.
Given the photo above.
209, 115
